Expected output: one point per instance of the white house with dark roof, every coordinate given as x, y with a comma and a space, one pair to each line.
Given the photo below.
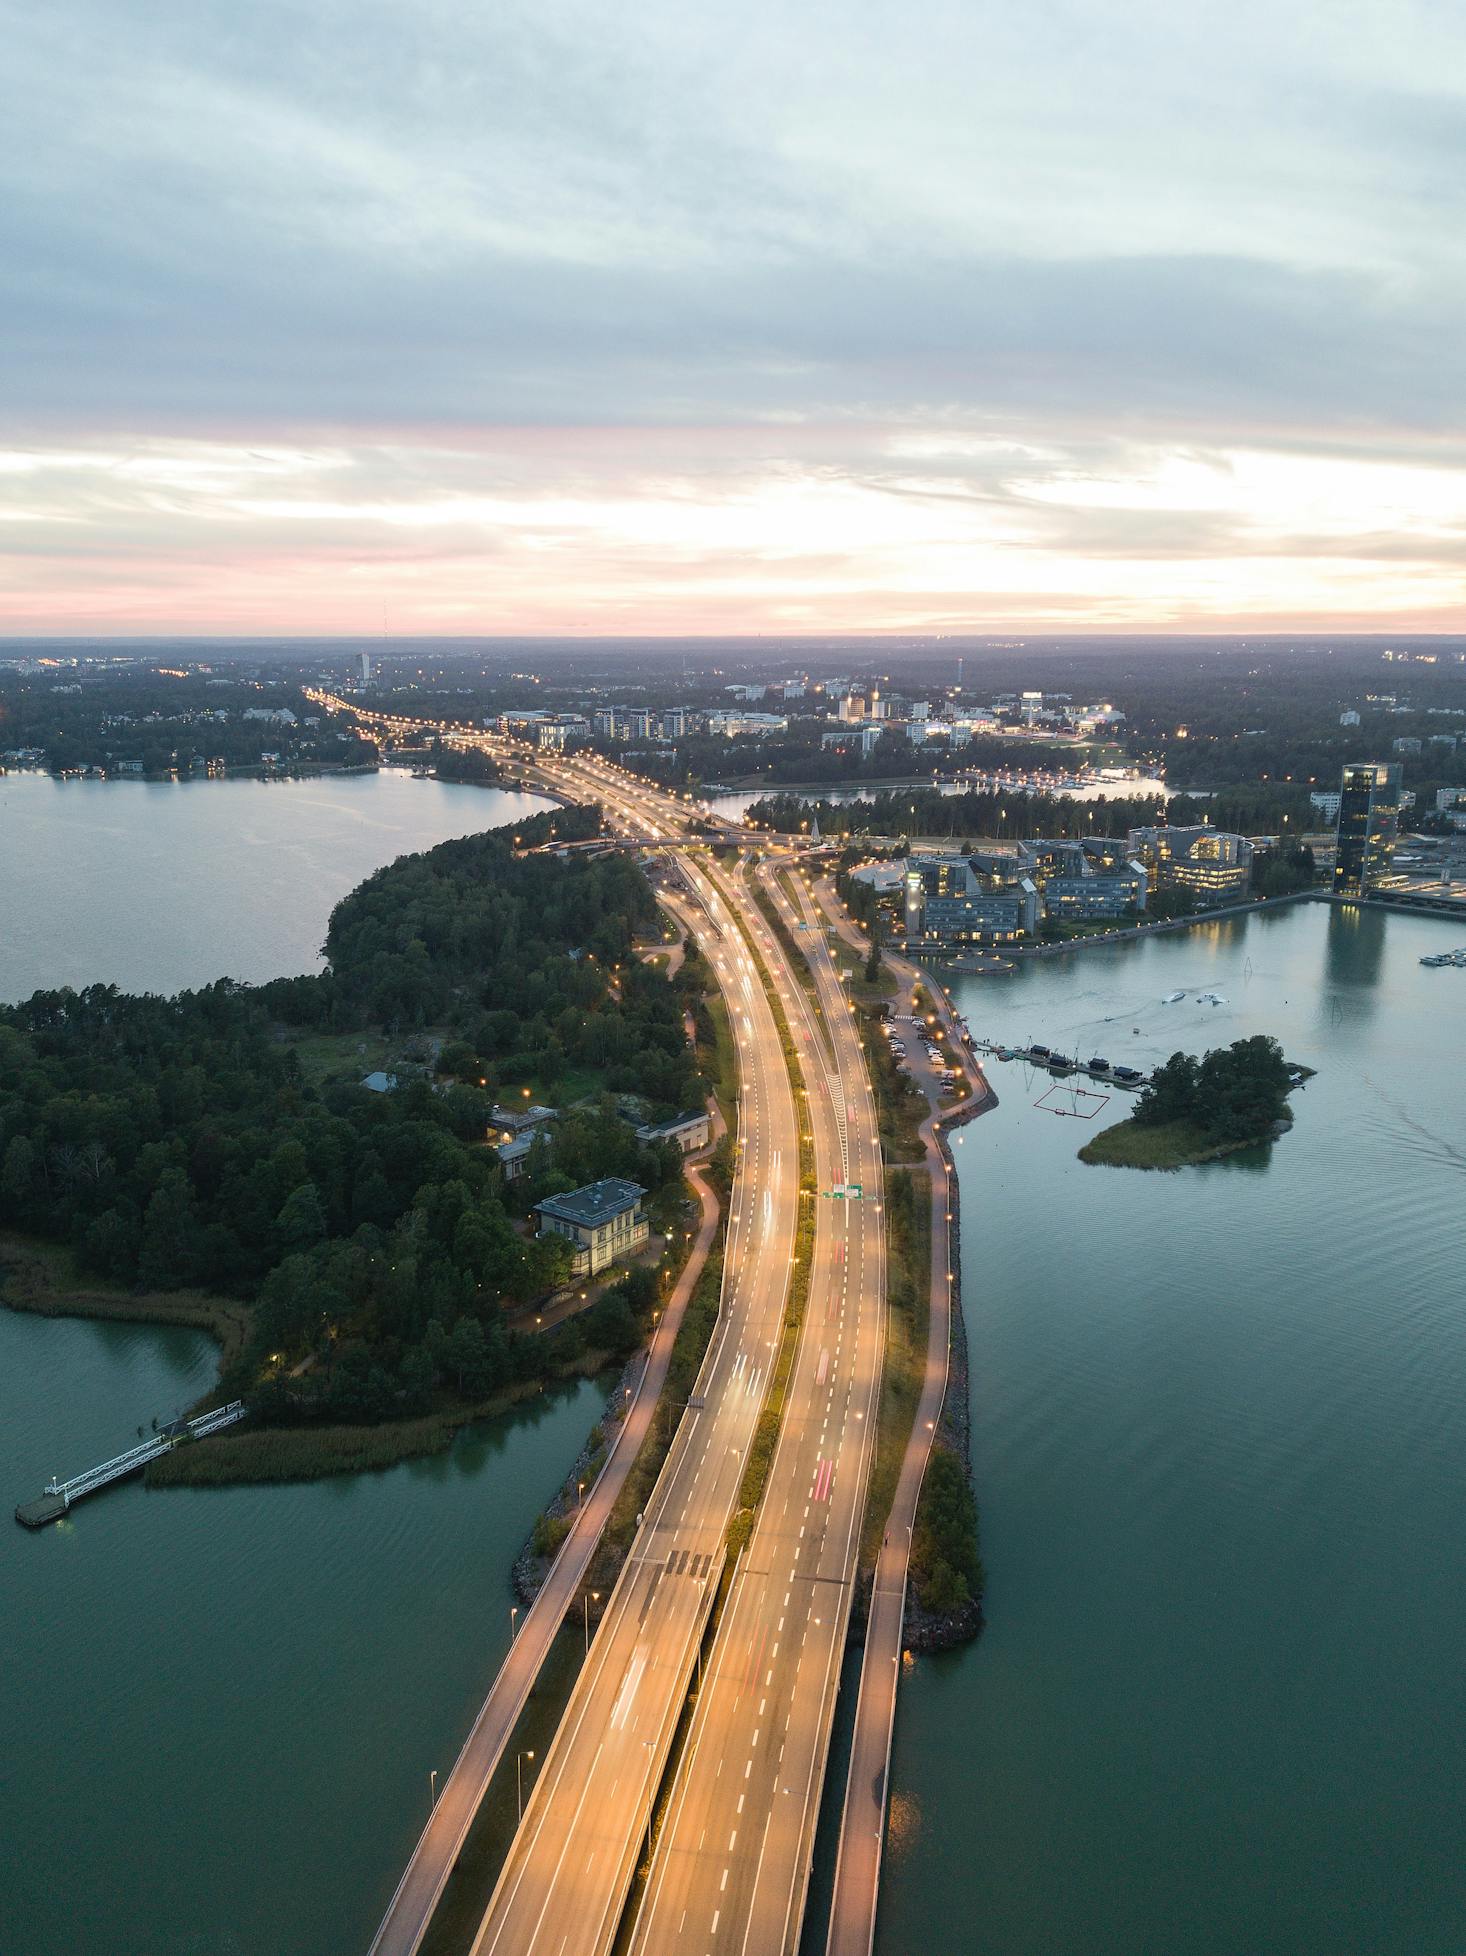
603, 1221
690, 1131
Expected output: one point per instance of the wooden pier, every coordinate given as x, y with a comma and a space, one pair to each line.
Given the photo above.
58, 1497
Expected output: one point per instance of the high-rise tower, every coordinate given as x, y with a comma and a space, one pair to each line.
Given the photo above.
1369, 822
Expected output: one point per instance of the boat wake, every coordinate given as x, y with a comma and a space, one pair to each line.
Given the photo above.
1414, 1136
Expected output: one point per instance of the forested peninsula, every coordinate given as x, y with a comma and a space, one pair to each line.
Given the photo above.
224, 1143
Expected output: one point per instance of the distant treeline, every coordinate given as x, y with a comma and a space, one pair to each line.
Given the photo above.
160, 723
179, 1141
1012, 815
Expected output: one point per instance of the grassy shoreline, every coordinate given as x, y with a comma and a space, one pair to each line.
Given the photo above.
1177, 1144
311, 1453
41, 1278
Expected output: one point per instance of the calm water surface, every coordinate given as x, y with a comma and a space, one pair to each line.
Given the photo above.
1219, 1446
161, 885
219, 1708
1220, 1451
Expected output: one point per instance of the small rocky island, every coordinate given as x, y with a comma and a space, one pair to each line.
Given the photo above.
1197, 1109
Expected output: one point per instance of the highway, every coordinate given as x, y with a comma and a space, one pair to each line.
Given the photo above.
420, 1889
564, 1884
731, 1863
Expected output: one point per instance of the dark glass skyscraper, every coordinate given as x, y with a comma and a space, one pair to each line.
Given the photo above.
1369, 821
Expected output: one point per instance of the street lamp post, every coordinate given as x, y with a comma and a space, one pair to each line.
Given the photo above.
590, 1596
519, 1759
513, 1621
432, 1788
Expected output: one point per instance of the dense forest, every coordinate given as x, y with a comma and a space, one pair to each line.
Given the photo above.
186, 1142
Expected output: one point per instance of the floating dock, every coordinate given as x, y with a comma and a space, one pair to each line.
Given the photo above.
1095, 1069
59, 1497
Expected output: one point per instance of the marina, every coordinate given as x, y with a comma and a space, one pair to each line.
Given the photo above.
1456, 958
1096, 1067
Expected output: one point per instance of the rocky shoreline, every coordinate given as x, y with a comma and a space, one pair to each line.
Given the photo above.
531, 1567
926, 1630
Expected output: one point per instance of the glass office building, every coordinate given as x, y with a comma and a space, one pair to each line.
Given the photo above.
1369, 823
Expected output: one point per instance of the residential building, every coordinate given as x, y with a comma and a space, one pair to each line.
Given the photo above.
852, 707
1326, 801
865, 738
1215, 865
520, 1120
1406, 744
603, 722
380, 1082
514, 1156
1349, 718
729, 723
1369, 825
674, 722
690, 1131
603, 1222
635, 722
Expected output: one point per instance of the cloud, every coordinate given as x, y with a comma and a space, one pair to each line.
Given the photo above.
527, 286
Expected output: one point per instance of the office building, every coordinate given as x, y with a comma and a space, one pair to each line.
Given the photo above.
1369, 824
947, 901
1213, 864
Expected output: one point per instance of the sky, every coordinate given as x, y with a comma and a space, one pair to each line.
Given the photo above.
554, 317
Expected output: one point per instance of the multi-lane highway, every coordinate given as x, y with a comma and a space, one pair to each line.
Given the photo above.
565, 1882
731, 1861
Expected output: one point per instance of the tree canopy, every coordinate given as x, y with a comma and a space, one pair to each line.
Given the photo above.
1232, 1093
180, 1141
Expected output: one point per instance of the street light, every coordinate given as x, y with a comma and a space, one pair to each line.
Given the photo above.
589, 1597
519, 1759
513, 1621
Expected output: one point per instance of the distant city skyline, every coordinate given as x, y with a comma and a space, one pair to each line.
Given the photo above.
550, 321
